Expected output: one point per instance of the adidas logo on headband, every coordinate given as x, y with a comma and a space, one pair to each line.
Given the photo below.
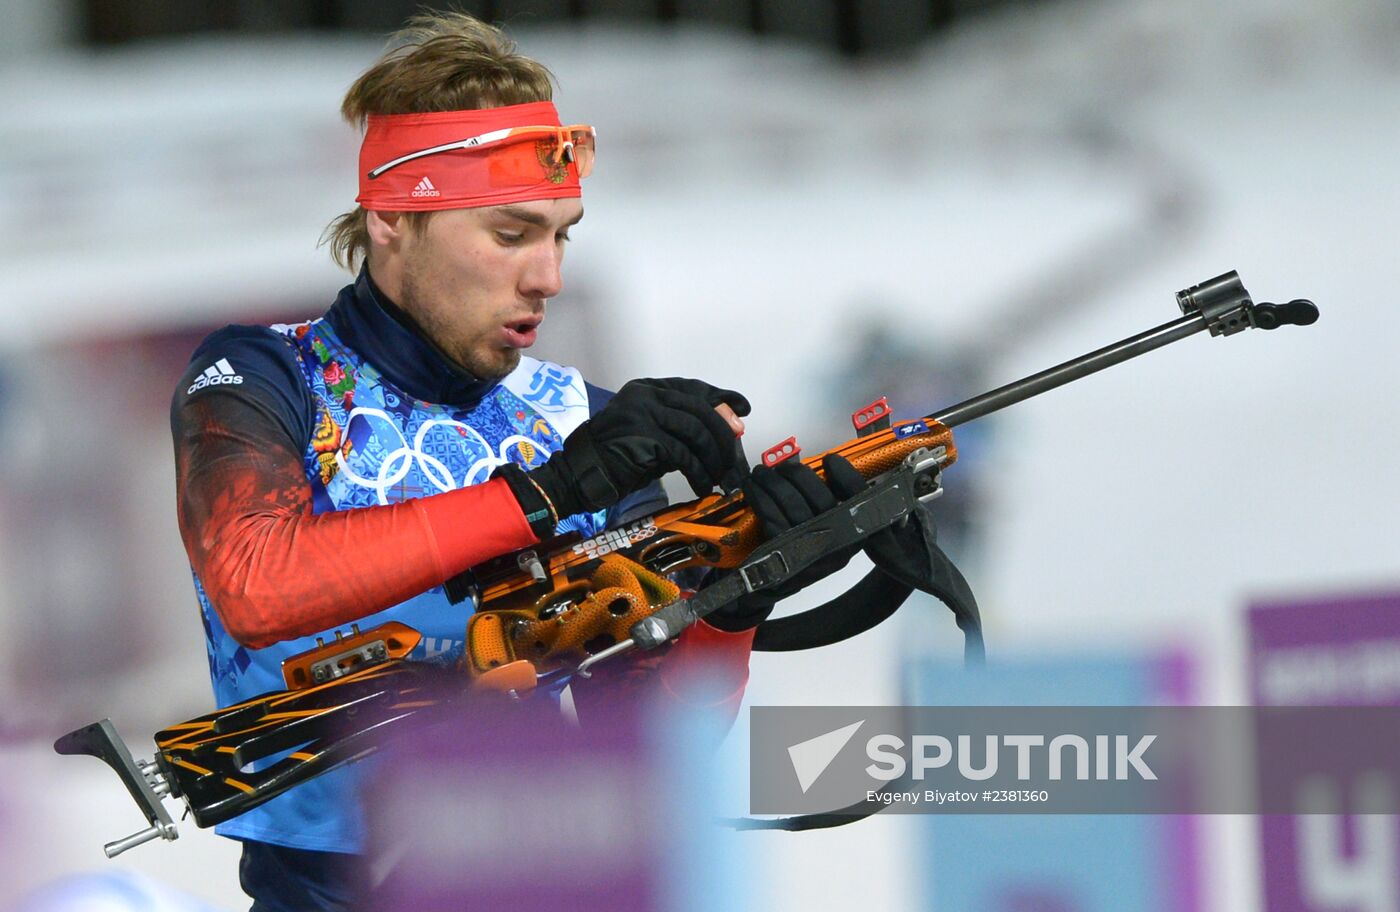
425, 188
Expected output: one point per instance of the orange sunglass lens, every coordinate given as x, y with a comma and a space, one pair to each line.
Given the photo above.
552, 151
581, 150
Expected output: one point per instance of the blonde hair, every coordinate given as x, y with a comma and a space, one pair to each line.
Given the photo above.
439, 61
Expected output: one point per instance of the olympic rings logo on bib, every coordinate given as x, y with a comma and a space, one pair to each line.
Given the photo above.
399, 461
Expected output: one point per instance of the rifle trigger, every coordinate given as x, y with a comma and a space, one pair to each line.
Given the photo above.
872, 419
781, 452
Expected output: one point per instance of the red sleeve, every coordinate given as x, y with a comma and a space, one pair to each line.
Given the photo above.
273, 570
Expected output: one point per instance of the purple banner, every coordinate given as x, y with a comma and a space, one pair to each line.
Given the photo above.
1329, 652
504, 805
511, 807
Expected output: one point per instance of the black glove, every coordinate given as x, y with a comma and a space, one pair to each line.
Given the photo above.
649, 428
901, 551
782, 498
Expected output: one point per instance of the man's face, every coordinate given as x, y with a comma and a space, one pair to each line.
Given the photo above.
476, 280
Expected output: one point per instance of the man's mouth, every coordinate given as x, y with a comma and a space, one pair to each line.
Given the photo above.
521, 333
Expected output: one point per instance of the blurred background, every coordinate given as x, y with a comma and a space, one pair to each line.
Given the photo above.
813, 202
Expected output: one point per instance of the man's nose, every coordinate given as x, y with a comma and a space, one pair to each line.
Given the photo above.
542, 277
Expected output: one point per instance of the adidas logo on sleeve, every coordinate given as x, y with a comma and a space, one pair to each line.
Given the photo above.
219, 372
425, 188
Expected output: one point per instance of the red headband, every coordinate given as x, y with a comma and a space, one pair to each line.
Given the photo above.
491, 175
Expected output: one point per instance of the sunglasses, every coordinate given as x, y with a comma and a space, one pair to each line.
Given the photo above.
576, 144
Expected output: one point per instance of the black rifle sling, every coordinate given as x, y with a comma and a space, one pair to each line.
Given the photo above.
863, 606
879, 594
876, 597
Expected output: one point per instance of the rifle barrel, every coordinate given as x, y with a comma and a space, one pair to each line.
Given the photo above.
1061, 374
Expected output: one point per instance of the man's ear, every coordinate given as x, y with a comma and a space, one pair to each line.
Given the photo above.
386, 229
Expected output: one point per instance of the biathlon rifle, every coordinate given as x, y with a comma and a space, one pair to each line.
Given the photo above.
547, 614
